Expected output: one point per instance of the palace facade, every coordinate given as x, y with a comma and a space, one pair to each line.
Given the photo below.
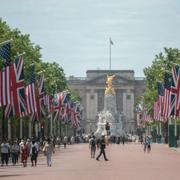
92, 87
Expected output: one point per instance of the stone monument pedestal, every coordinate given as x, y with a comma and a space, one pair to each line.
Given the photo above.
110, 115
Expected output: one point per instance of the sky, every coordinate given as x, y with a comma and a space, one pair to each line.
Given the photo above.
75, 33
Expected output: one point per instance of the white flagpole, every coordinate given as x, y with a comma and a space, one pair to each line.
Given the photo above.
2, 43
109, 53
110, 43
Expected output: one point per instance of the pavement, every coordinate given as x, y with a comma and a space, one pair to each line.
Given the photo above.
127, 162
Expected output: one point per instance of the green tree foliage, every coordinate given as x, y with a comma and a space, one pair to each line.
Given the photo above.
54, 74
162, 62
55, 80
75, 96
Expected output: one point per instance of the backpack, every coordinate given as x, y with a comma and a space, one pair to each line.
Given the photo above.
93, 143
34, 150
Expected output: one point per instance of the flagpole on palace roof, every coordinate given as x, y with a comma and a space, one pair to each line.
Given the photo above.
110, 43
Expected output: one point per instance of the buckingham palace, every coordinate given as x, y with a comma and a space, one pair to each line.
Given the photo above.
91, 90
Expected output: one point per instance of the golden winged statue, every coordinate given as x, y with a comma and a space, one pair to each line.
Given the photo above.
109, 88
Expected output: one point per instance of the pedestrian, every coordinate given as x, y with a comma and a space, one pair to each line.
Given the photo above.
15, 149
58, 141
28, 143
48, 151
72, 140
34, 154
145, 143
92, 146
102, 149
65, 141
123, 140
148, 142
5, 151
24, 153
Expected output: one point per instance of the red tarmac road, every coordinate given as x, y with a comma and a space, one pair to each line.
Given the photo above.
127, 162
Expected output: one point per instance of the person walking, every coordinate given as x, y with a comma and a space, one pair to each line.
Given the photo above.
48, 151
15, 149
33, 154
145, 143
65, 141
5, 150
102, 149
148, 142
92, 146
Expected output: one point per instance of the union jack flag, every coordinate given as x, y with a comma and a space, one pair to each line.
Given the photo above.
56, 105
175, 91
17, 89
76, 115
56, 101
59, 105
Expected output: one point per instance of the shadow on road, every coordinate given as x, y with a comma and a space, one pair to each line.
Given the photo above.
10, 175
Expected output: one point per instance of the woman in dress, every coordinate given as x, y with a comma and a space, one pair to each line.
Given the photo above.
24, 154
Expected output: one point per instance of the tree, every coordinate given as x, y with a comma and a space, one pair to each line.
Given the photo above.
54, 74
162, 62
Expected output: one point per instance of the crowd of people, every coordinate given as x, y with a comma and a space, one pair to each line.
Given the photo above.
19, 151
101, 143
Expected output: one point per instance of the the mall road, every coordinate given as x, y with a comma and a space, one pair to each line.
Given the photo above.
127, 162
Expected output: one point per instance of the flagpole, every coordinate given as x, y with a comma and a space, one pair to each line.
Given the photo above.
21, 54
6, 41
109, 53
175, 132
3, 124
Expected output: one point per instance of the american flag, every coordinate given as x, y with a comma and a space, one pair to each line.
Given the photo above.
42, 95
5, 75
175, 91
157, 114
47, 102
160, 87
167, 87
72, 113
17, 89
5, 53
146, 116
9, 109
31, 93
